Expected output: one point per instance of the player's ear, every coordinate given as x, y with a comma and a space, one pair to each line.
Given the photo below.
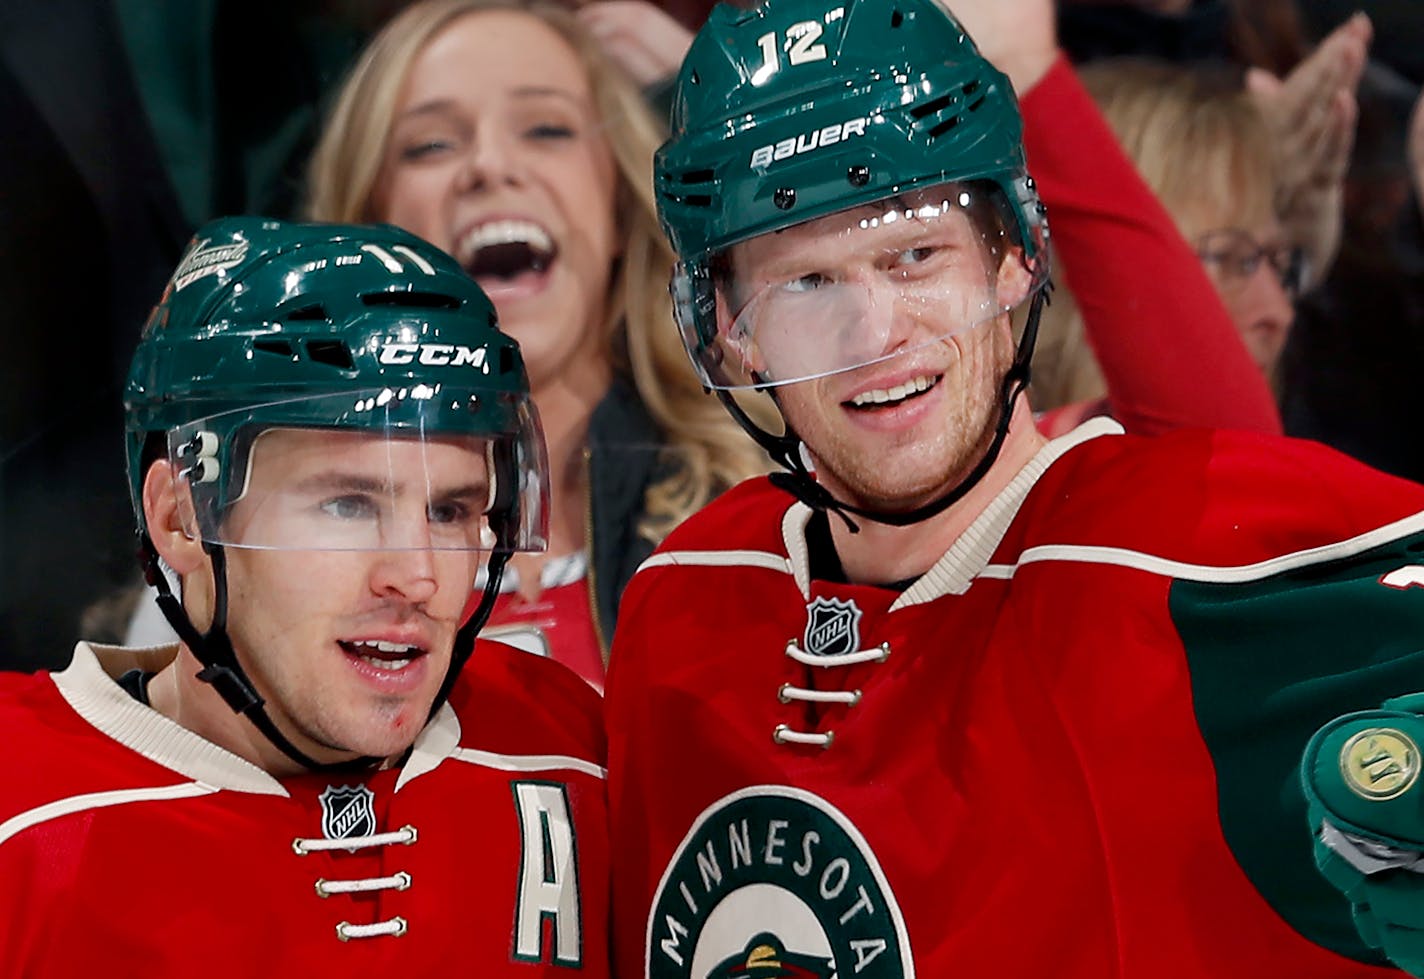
1014, 280
166, 503
743, 349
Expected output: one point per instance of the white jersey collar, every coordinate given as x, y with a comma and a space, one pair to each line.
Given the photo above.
953, 573
89, 687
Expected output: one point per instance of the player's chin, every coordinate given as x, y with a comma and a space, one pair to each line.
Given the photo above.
386, 727
385, 737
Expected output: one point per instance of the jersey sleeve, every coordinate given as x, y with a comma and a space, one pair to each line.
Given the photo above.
512, 701
633, 642
1277, 647
1168, 349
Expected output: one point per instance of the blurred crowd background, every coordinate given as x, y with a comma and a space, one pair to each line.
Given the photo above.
130, 122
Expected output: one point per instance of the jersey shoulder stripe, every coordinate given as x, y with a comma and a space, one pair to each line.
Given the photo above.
519, 712
528, 763
99, 800
719, 559
1218, 573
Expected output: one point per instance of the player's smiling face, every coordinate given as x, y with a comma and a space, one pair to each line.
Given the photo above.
911, 401
497, 156
349, 646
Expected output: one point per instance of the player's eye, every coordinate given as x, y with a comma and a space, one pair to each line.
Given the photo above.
925, 259
353, 506
913, 256
450, 512
809, 282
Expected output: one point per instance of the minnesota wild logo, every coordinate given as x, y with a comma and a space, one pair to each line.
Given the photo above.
773, 882
766, 958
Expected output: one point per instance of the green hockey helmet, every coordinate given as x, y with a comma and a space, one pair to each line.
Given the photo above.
856, 115
329, 378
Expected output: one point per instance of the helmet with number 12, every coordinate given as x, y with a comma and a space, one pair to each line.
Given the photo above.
880, 121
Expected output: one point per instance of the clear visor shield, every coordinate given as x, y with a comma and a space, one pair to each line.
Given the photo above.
390, 469
857, 287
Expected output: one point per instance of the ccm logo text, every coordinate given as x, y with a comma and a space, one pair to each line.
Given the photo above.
432, 354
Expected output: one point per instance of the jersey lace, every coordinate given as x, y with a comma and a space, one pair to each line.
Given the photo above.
788, 693
399, 881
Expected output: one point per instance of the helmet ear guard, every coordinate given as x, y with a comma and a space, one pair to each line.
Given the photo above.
694, 305
513, 499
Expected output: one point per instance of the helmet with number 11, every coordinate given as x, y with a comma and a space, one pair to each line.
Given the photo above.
336, 391
879, 121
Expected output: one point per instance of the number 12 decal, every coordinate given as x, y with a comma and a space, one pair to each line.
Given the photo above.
801, 46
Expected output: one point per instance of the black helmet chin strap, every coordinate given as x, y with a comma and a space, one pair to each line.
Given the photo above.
220, 666
465, 637
226, 675
797, 480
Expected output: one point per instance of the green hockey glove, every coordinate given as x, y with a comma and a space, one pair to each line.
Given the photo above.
1366, 808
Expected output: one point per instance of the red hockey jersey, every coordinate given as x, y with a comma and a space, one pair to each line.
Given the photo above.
129, 846
1070, 749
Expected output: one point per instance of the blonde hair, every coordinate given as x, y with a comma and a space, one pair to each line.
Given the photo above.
1201, 145
1196, 137
711, 452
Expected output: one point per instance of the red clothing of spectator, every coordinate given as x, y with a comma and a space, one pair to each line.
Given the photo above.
1167, 347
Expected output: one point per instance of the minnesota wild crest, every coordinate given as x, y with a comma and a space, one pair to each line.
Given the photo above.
773, 882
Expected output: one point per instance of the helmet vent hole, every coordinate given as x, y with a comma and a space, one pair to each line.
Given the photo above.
943, 127
976, 103
969, 88
282, 348
411, 300
698, 176
931, 107
896, 18
313, 312
506, 360
698, 200
695, 78
334, 353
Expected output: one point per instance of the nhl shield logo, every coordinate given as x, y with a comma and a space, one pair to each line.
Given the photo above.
832, 627
347, 811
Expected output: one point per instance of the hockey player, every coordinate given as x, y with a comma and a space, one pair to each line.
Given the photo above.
327, 437
945, 698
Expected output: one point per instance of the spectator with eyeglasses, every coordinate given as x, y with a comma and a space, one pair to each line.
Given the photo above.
1200, 142
1257, 277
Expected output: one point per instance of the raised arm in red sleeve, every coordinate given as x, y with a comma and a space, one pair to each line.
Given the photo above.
1168, 349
